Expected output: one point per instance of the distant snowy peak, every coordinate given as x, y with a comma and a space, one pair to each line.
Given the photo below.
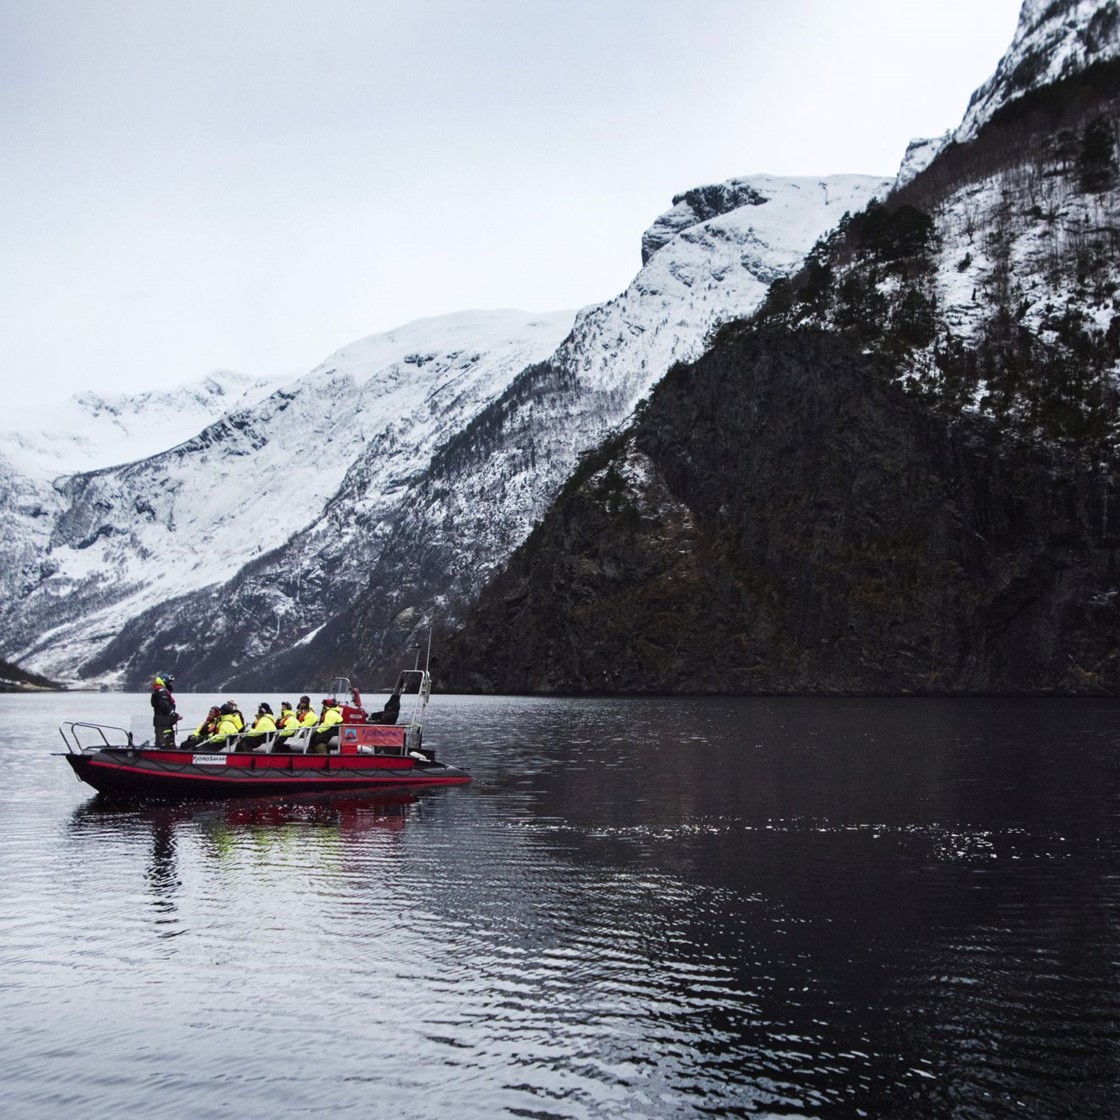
1054, 39
418, 343
695, 206
216, 392
91, 431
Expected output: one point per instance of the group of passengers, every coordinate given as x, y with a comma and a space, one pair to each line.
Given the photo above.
225, 721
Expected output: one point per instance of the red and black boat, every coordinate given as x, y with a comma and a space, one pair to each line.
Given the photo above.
363, 755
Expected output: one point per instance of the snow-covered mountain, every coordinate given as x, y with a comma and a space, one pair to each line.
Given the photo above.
407, 465
122, 540
90, 432
322, 524
709, 259
902, 474
1054, 39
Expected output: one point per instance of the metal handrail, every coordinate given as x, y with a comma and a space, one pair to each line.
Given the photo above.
73, 742
415, 682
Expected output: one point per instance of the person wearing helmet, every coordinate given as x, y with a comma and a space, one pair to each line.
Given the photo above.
239, 719
164, 716
329, 719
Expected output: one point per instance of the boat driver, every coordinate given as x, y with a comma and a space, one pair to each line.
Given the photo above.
164, 716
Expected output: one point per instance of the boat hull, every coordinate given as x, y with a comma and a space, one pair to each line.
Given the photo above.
135, 772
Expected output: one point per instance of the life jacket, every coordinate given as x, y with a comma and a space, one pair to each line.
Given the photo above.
308, 719
331, 716
239, 719
287, 721
227, 726
264, 724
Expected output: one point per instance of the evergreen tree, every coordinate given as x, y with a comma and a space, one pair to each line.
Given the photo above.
1096, 162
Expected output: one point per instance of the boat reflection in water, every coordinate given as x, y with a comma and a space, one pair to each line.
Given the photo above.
351, 815
298, 833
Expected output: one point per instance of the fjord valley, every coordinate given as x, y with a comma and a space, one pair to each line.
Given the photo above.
839, 434
327, 521
772, 605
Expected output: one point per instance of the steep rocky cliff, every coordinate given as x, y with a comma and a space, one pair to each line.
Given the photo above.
784, 519
900, 474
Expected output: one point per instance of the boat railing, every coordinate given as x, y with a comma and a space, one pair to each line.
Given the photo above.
295, 742
417, 684
267, 742
70, 732
298, 741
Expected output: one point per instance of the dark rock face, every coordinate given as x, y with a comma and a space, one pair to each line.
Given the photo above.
696, 206
15, 679
784, 519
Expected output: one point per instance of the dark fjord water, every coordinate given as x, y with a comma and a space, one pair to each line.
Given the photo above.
643, 908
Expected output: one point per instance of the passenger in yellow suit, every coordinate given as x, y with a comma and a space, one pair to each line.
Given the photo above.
287, 722
209, 725
227, 726
238, 718
329, 719
305, 713
262, 725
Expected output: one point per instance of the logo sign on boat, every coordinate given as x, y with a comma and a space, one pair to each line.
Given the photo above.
209, 759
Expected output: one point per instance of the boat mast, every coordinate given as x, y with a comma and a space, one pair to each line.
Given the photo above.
428, 656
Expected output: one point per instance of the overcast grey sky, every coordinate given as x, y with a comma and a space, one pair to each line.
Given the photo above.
251, 184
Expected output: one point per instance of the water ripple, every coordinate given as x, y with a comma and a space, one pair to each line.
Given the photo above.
844, 910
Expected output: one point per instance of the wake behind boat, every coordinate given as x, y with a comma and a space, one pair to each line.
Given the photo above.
363, 755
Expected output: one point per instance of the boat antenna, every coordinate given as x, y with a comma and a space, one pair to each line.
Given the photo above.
428, 659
